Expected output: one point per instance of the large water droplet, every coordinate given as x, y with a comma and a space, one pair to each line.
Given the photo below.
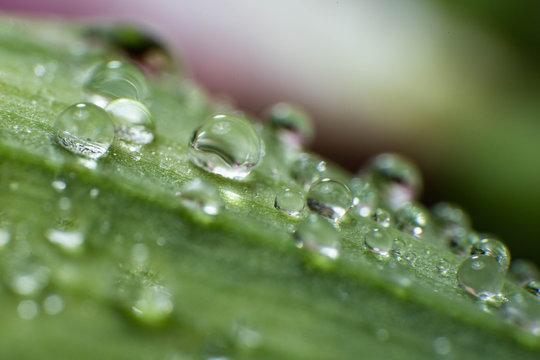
226, 145
490, 246
154, 305
379, 241
290, 202
291, 125
133, 121
482, 276
365, 197
318, 235
84, 129
329, 198
412, 218
116, 79
397, 178
201, 196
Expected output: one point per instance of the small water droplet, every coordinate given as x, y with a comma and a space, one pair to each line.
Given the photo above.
318, 235
291, 125
53, 304
84, 129
59, 185
533, 287
490, 246
153, 305
94, 193
379, 241
442, 345
28, 309
64, 203
383, 217
116, 79
399, 248
200, 196
397, 178
365, 197
139, 253
29, 280
69, 241
329, 198
460, 240
307, 168
290, 202
482, 276
39, 70
412, 218
443, 266
133, 121
448, 214
382, 334
4, 237
226, 145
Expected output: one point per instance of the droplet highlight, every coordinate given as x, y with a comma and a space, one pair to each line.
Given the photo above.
329, 198
290, 202
481, 276
379, 241
133, 122
490, 246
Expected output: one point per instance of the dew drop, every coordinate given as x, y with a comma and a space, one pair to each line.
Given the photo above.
94, 193
201, 196
4, 237
482, 276
59, 185
379, 241
290, 202
139, 253
450, 215
533, 287
522, 271
29, 280
460, 240
116, 79
364, 197
443, 266
382, 217
133, 121
226, 145
307, 168
69, 241
397, 178
329, 198
84, 129
53, 304
442, 345
154, 305
412, 219
490, 246
291, 125
318, 235
28, 309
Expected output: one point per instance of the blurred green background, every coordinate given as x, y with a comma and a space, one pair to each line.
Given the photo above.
454, 85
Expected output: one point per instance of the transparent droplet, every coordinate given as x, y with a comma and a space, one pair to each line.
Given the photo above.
70, 241
318, 235
383, 217
448, 214
84, 129
201, 196
154, 305
307, 168
139, 253
291, 125
412, 218
397, 178
59, 185
329, 198
533, 287
226, 145
53, 304
379, 241
482, 276
443, 266
460, 240
490, 246
28, 309
133, 121
522, 271
116, 79
364, 197
290, 202
4, 237
28, 279
442, 345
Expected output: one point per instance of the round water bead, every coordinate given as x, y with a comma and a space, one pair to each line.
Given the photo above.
379, 241
133, 121
329, 198
533, 287
397, 178
448, 215
460, 240
226, 145
382, 217
200, 196
318, 235
412, 218
84, 129
482, 276
365, 198
153, 305
490, 246
290, 202
307, 168
291, 125
116, 79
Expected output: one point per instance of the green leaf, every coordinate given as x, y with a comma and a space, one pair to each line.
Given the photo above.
231, 285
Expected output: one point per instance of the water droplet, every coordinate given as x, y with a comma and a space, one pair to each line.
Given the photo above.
307, 168
443, 266
448, 214
397, 178
28, 309
329, 198
94, 193
318, 235
412, 218
154, 305
39, 70
29, 280
365, 197
291, 125
382, 334
69, 241
139, 253
133, 121
200, 196
442, 345
53, 304
379, 241
460, 240
290, 202
226, 145
490, 246
116, 79
533, 287
4, 237
84, 129
383, 217
522, 271
482, 276
59, 185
